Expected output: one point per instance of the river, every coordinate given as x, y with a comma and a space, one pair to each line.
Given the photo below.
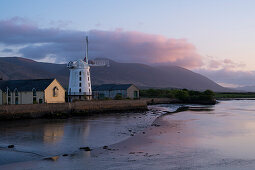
203, 137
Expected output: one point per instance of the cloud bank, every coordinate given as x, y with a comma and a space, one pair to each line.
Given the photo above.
230, 78
65, 45
20, 36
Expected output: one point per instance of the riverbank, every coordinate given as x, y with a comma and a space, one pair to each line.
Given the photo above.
79, 108
187, 140
37, 139
112, 139
63, 110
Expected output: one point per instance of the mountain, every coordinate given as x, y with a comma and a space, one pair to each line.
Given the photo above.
139, 74
246, 88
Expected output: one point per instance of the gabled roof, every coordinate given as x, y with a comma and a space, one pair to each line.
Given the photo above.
109, 87
25, 85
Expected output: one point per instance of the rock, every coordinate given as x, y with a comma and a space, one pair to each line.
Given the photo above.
130, 130
132, 135
10, 146
86, 148
143, 132
105, 147
65, 155
156, 125
54, 158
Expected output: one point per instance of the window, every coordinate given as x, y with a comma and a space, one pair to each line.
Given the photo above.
55, 92
80, 84
40, 101
135, 94
34, 91
34, 100
34, 96
16, 100
80, 73
8, 96
88, 78
8, 92
9, 100
16, 92
80, 78
80, 90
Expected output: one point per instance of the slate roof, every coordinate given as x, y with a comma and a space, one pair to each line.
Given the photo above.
110, 87
25, 85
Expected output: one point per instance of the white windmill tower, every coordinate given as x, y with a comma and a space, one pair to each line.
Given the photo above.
79, 79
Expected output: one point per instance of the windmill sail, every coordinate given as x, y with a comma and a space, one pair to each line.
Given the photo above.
87, 50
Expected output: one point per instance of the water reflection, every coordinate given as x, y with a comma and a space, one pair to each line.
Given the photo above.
53, 134
55, 137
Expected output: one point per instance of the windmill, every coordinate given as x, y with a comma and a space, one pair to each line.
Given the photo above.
79, 79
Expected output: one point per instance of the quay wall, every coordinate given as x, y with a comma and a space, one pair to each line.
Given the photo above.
79, 108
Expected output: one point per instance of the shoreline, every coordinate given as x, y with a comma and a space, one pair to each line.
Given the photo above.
139, 122
79, 108
83, 108
65, 110
156, 113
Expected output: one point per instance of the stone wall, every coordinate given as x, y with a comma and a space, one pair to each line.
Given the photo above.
81, 108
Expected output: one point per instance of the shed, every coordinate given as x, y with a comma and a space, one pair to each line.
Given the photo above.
113, 90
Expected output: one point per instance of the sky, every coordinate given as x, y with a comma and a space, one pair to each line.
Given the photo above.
212, 37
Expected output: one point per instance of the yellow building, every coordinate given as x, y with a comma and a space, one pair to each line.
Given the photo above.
31, 91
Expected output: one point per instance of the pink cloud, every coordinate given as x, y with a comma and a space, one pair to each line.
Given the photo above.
145, 48
124, 46
226, 64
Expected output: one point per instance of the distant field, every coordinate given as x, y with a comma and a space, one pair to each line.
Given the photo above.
234, 95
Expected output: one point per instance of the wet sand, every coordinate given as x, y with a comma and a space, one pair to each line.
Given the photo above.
216, 137
43, 138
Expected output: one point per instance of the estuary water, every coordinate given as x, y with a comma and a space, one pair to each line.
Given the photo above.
203, 137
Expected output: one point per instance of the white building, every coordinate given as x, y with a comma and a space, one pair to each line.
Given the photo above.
79, 81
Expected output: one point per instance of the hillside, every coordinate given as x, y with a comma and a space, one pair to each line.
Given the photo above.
139, 74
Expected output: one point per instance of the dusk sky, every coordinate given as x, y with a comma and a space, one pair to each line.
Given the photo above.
212, 37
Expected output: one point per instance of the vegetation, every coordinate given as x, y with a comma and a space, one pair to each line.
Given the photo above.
184, 95
234, 95
160, 93
118, 97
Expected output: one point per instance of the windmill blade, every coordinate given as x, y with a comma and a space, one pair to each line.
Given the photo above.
99, 62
